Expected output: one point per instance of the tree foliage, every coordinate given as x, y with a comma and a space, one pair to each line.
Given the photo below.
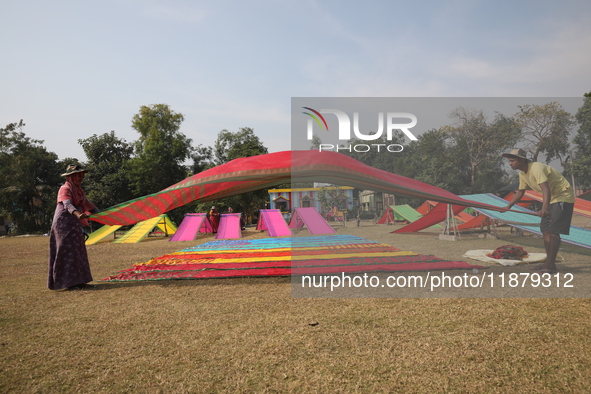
463, 157
108, 160
243, 143
315, 143
332, 197
29, 178
202, 159
582, 159
229, 146
545, 130
161, 149
378, 156
477, 146
431, 160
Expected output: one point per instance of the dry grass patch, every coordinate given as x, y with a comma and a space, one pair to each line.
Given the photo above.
250, 335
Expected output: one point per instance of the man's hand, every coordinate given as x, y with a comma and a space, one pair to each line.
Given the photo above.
547, 196
543, 212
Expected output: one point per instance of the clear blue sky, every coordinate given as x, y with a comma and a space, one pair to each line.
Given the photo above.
71, 69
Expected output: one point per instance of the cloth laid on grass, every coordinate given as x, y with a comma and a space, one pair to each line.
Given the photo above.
313, 255
525, 220
259, 172
142, 229
272, 221
192, 224
101, 233
314, 222
483, 255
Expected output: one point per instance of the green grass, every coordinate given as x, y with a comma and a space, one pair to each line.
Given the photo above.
250, 335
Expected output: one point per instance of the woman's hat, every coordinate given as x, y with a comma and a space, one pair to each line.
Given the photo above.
74, 169
517, 153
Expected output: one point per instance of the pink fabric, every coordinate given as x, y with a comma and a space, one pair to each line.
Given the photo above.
272, 221
312, 219
189, 227
229, 226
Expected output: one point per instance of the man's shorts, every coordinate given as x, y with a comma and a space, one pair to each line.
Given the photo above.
559, 217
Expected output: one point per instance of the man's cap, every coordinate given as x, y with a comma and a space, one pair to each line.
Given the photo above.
517, 153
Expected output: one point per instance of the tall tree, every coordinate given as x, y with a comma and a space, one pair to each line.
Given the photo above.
582, 159
108, 158
480, 143
545, 129
160, 151
243, 143
376, 153
29, 179
316, 142
202, 159
434, 161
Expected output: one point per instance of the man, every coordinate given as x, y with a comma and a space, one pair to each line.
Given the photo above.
557, 205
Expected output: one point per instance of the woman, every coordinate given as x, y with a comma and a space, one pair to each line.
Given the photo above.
214, 219
68, 260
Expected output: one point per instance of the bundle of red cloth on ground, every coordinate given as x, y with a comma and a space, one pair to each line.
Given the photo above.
509, 252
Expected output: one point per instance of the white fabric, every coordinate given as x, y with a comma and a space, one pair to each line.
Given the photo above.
481, 255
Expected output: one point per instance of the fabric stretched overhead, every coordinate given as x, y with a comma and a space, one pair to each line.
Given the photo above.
265, 171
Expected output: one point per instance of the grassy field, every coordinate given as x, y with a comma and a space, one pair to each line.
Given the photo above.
251, 335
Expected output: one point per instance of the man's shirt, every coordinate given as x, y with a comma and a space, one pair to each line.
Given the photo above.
560, 189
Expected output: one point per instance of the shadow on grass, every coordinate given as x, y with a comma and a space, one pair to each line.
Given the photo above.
538, 242
187, 282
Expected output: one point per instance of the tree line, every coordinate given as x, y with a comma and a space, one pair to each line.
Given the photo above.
119, 170
463, 157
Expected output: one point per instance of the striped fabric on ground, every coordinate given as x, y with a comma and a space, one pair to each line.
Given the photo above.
284, 257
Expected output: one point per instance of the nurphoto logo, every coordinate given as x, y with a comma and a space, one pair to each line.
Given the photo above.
392, 121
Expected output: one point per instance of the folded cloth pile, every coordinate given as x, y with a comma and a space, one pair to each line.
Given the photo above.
509, 252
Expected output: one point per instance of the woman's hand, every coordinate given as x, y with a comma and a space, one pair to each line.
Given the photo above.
80, 215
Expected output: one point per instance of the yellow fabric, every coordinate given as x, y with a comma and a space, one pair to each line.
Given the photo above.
280, 258
230, 251
101, 233
142, 229
560, 189
166, 225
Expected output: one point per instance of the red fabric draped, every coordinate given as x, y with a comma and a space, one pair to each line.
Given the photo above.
259, 172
